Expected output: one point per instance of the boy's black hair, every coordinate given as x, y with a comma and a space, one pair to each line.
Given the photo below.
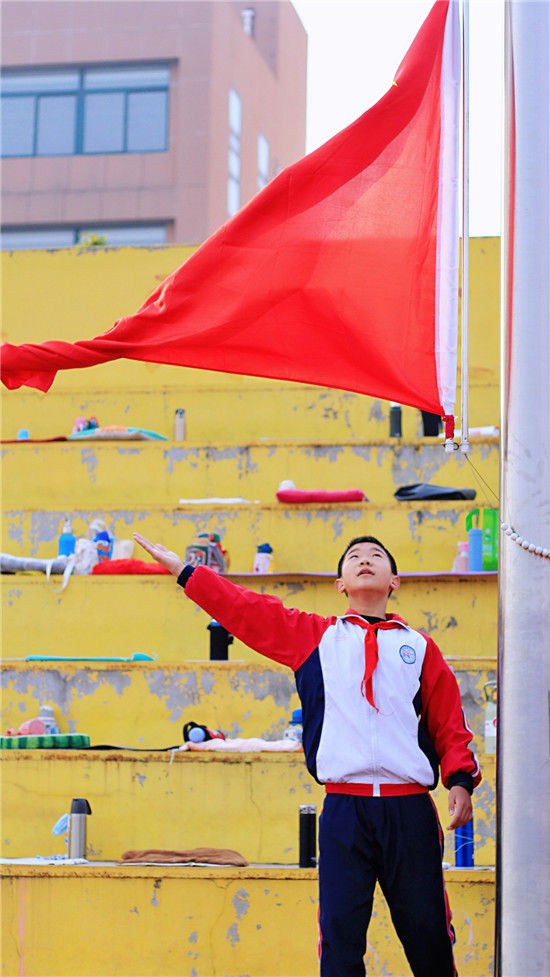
367, 539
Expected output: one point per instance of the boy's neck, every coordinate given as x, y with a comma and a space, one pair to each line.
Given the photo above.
368, 606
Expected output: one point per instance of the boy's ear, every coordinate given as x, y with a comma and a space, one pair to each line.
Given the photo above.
339, 585
394, 584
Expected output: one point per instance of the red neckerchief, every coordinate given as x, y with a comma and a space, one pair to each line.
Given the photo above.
371, 648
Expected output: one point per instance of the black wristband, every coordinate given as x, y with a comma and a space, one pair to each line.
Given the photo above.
185, 574
462, 779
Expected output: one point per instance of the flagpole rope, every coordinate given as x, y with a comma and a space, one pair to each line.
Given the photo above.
508, 530
482, 481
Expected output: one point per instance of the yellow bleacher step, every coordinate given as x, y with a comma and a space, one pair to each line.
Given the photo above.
422, 535
92, 473
207, 922
184, 799
121, 615
217, 406
148, 397
244, 699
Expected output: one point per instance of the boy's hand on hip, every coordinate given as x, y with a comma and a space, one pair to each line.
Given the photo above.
460, 807
170, 560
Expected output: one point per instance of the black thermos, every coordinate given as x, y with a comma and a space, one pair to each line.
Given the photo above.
395, 420
308, 836
220, 639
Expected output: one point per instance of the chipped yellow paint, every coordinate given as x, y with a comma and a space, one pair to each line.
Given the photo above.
423, 535
249, 802
218, 407
97, 474
241, 698
122, 615
206, 922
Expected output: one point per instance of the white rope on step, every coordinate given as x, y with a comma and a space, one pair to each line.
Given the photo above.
524, 543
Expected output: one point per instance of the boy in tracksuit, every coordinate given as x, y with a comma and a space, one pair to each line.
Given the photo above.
381, 713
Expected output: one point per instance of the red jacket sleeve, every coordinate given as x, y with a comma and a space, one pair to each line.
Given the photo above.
285, 635
444, 718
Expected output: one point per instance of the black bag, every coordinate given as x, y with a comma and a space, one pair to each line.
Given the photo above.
419, 491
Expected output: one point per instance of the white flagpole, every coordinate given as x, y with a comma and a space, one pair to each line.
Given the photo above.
523, 757
464, 443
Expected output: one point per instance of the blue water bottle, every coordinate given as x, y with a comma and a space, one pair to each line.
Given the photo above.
67, 541
464, 845
475, 550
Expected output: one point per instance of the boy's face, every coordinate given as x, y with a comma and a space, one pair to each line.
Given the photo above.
366, 569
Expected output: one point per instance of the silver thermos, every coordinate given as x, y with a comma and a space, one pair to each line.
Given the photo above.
80, 809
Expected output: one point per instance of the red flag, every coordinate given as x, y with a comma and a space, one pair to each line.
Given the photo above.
341, 272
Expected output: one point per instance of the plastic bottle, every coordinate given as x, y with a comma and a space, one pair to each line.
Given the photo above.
490, 529
67, 540
294, 729
475, 550
487, 521
61, 827
46, 714
104, 545
490, 738
263, 558
460, 564
179, 425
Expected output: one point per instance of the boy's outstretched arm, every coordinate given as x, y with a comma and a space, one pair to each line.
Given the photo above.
262, 622
170, 560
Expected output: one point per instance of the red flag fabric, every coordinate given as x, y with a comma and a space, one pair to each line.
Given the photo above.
340, 272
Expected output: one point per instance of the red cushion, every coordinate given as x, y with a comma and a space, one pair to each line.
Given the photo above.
128, 566
303, 495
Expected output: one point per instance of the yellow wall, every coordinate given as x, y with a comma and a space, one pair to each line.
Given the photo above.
243, 436
79, 293
198, 922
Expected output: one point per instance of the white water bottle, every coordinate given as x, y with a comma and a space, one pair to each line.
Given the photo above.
46, 714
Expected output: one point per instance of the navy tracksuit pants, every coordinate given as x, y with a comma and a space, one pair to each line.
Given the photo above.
397, 841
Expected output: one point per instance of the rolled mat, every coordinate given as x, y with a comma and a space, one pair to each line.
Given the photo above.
207, 856
56, 741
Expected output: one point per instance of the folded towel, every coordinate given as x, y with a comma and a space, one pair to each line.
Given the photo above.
207, 856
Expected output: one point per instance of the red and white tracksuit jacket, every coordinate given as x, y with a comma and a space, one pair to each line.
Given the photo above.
387, 731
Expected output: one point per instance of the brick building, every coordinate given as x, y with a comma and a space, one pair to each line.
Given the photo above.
146, 122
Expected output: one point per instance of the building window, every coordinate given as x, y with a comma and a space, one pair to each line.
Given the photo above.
116, 236
63, 112
234, 156
263, 161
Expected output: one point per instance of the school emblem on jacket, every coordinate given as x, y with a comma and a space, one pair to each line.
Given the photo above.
408, 654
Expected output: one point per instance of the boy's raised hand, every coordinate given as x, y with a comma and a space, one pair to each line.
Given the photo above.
460, 807
170, 560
